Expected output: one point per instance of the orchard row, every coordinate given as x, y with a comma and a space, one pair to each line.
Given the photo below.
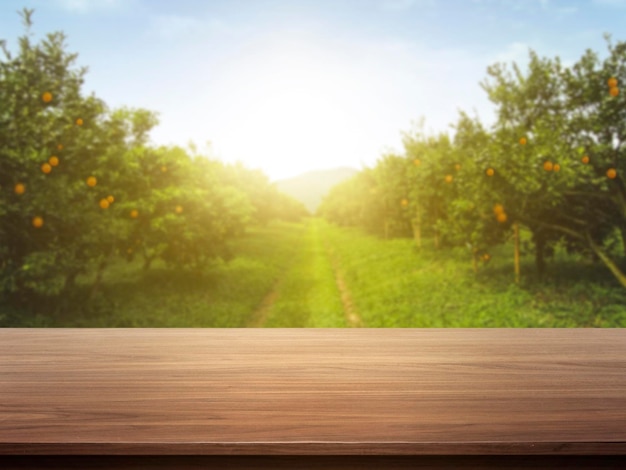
80, 184
551, 163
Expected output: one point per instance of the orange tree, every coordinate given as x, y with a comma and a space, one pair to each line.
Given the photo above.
50, 138
355, 203
597, 121
392, 190
78, 185
477, 219
432, 171
534, 150
267, 201
179, 208
569, 117
375, 199
553, 162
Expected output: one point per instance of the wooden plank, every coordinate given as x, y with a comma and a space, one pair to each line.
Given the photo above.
384, 392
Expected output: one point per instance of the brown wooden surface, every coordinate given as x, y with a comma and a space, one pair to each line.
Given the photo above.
312, 391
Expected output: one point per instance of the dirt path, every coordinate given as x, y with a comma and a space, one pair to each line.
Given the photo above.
262, 312
352, 316
315, 248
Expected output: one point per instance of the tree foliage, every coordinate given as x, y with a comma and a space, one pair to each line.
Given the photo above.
553, 162
80, 185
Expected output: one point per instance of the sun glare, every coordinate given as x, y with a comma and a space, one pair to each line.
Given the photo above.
296, 106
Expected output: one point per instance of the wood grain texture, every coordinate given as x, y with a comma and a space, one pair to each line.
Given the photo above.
384, 392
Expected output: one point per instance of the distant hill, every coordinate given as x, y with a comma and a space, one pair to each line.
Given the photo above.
312, 186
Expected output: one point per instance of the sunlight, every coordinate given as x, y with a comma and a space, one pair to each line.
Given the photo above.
295, 107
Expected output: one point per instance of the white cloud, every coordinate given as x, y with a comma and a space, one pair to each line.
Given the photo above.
515, 52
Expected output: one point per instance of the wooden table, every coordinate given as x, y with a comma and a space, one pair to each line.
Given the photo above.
312, 398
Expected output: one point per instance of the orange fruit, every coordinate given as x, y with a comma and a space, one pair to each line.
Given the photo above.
614, 91
53, 160
585, 159
104, 204
111, 199
134, 213
46, 168
457, 167
556, 167
417, 162
404, 202
501, 217
179, 209
92, 181
522, 140
548, 166
486, 256
60, 147
498, 209
37, 222
490, 172
611, 173
163, 168
612, 82
20, 188
449, 178
79, 122
46, 97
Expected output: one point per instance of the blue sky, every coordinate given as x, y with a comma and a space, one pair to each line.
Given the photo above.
291, 86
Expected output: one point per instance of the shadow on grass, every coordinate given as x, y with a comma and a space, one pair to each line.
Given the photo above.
159, 297
558, 274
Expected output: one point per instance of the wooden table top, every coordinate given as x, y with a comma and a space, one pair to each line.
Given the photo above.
312, 391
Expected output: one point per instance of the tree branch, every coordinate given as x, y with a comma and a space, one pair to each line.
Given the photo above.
556, 228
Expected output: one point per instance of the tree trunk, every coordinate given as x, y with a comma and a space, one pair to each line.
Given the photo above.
516, 256
417, 233
436, 230
609, 263
597, 250
147, 262
417, 226
622, 230
70, 281
540, 261
101, 267
96, 284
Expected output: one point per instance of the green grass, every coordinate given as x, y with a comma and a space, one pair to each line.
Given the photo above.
396, 285
308, 296
391, 283
222, 295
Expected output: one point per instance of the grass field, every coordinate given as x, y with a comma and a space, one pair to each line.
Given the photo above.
395, 285
225, 294
317, 275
